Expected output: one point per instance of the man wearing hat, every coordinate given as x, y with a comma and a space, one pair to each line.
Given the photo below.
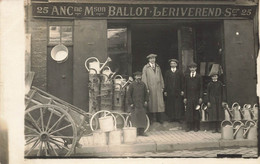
215, 96
192, 97
137, 98
174, 92
152, 77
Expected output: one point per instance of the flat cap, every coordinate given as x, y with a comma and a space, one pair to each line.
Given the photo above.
151, 56
192, 64
137, 73
173, 60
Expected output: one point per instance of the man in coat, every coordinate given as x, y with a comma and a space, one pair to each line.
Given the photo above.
192, 97
137, 98
174, 92
152, 77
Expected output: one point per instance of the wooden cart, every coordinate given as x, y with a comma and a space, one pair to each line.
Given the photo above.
53, 127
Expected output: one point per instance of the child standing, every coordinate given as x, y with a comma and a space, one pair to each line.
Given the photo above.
138, 98
215, 94
192, 97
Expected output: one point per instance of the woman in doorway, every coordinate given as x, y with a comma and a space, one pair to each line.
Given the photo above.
152, 77
174, 92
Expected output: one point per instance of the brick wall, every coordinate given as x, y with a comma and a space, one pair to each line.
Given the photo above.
38, 30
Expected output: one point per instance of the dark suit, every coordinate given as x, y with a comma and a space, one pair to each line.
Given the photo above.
192, 92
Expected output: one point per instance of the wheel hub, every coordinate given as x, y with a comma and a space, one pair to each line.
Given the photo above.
44, 137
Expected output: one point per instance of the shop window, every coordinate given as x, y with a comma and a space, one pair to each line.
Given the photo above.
60, 34
117, 50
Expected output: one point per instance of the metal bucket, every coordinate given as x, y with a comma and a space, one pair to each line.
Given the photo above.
238, 127
115, 137
99, 138
226, 130
129, 135
106, 123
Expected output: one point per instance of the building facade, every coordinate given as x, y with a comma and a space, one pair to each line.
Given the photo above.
214, 34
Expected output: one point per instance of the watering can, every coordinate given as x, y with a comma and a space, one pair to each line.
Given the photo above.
107, 71
238, 127
104, 78
247, 112
236, 111
129, 81
227, 130
228, 112
96, 65
118, 82
250, 130
255, 111
203, 112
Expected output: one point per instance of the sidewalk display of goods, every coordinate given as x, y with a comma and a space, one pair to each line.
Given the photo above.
240, 123
107, 100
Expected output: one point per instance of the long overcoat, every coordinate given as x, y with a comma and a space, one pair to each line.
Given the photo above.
154, 81
192, 91
173, 88
137, 95
215, 95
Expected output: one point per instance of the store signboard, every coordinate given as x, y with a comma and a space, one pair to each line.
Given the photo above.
142, 11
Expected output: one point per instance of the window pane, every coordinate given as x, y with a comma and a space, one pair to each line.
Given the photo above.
54, 34
117, 50
66, 34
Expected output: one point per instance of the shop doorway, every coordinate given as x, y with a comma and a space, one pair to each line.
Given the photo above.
153, 38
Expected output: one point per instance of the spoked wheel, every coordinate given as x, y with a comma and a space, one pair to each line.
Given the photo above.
49, 131
94, 119
129, 123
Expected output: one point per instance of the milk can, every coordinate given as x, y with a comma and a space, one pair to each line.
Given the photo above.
238, 127
250, 130
236, 111
226, 129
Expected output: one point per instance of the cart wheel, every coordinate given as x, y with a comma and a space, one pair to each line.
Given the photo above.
49, 131
94, 119
129, 123
120, 120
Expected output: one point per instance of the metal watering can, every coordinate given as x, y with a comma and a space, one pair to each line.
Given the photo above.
228, 112
96, 65
236, 112
250, 130
238, 127
129, 81
246, 112
226, 130
119, 81
107, 71
255, 112
203, 109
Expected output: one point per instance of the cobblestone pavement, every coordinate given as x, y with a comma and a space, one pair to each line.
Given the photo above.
243, 152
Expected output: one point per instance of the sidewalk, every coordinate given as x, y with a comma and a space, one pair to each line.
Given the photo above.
165, 140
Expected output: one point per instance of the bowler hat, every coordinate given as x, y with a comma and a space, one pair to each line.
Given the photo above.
151, 56
173, 60
192, 65
137, 73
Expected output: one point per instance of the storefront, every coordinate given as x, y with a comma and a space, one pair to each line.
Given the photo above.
209, 32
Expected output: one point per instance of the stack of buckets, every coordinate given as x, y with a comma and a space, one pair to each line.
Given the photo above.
240, 125
108, 134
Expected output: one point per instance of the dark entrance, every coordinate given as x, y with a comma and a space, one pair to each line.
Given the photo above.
159, 39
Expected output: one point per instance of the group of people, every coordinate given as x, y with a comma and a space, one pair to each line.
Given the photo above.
183, 94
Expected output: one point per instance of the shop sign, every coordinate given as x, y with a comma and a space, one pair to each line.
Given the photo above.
144, 11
